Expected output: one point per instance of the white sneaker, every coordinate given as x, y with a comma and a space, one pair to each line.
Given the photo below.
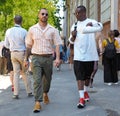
116, 83
109, 84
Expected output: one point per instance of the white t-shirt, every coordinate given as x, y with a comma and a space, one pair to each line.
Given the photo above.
85, 44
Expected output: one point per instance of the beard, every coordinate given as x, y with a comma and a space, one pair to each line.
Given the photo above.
44, 20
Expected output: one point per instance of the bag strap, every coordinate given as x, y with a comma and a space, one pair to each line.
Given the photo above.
109, 41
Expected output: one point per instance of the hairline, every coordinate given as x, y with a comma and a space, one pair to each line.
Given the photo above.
43, 9
81, 7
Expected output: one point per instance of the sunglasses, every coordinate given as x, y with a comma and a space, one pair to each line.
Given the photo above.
44, 14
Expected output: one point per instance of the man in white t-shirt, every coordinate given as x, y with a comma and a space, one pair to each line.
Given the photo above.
85, 51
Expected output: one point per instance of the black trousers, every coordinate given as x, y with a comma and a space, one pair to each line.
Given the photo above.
110, 70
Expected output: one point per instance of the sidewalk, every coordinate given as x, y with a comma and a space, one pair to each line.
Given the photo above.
63, 96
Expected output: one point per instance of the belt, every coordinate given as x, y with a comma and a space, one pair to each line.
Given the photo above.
17, 51
43, 55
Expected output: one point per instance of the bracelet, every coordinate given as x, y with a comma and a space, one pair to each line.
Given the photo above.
71, 41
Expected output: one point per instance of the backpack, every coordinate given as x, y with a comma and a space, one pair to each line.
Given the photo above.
110, 50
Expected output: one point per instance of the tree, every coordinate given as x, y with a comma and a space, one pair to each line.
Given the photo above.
5, 11
28, 9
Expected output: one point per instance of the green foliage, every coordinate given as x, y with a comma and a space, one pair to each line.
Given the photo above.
28, 9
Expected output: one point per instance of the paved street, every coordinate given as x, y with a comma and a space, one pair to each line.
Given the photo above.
105, 100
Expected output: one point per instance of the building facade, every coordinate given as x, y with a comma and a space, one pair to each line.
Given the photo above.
105, 11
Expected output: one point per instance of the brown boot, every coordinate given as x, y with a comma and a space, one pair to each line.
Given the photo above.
45, 98
37, 107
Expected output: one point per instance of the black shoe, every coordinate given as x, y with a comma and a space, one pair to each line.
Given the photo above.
30, 95
15, 97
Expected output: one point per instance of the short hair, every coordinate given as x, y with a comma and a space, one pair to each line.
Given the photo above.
43, 9
116, 33
83, 8
18, 19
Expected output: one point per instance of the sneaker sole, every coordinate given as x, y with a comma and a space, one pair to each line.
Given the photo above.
15, 97
87, 100
36, 111
80, 106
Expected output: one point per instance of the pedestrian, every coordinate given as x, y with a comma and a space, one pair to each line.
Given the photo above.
109, 64
117, 37
15, 41
65, 57
39, 41
85, 51
98, 38
68, 52
6, 54
2, 59
71, 47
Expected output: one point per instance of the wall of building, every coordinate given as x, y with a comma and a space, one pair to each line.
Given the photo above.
118, 15
105, 11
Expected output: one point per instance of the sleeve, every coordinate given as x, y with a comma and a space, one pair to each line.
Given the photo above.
6, 42
92, 29
56, 38
104, 43
28, 39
